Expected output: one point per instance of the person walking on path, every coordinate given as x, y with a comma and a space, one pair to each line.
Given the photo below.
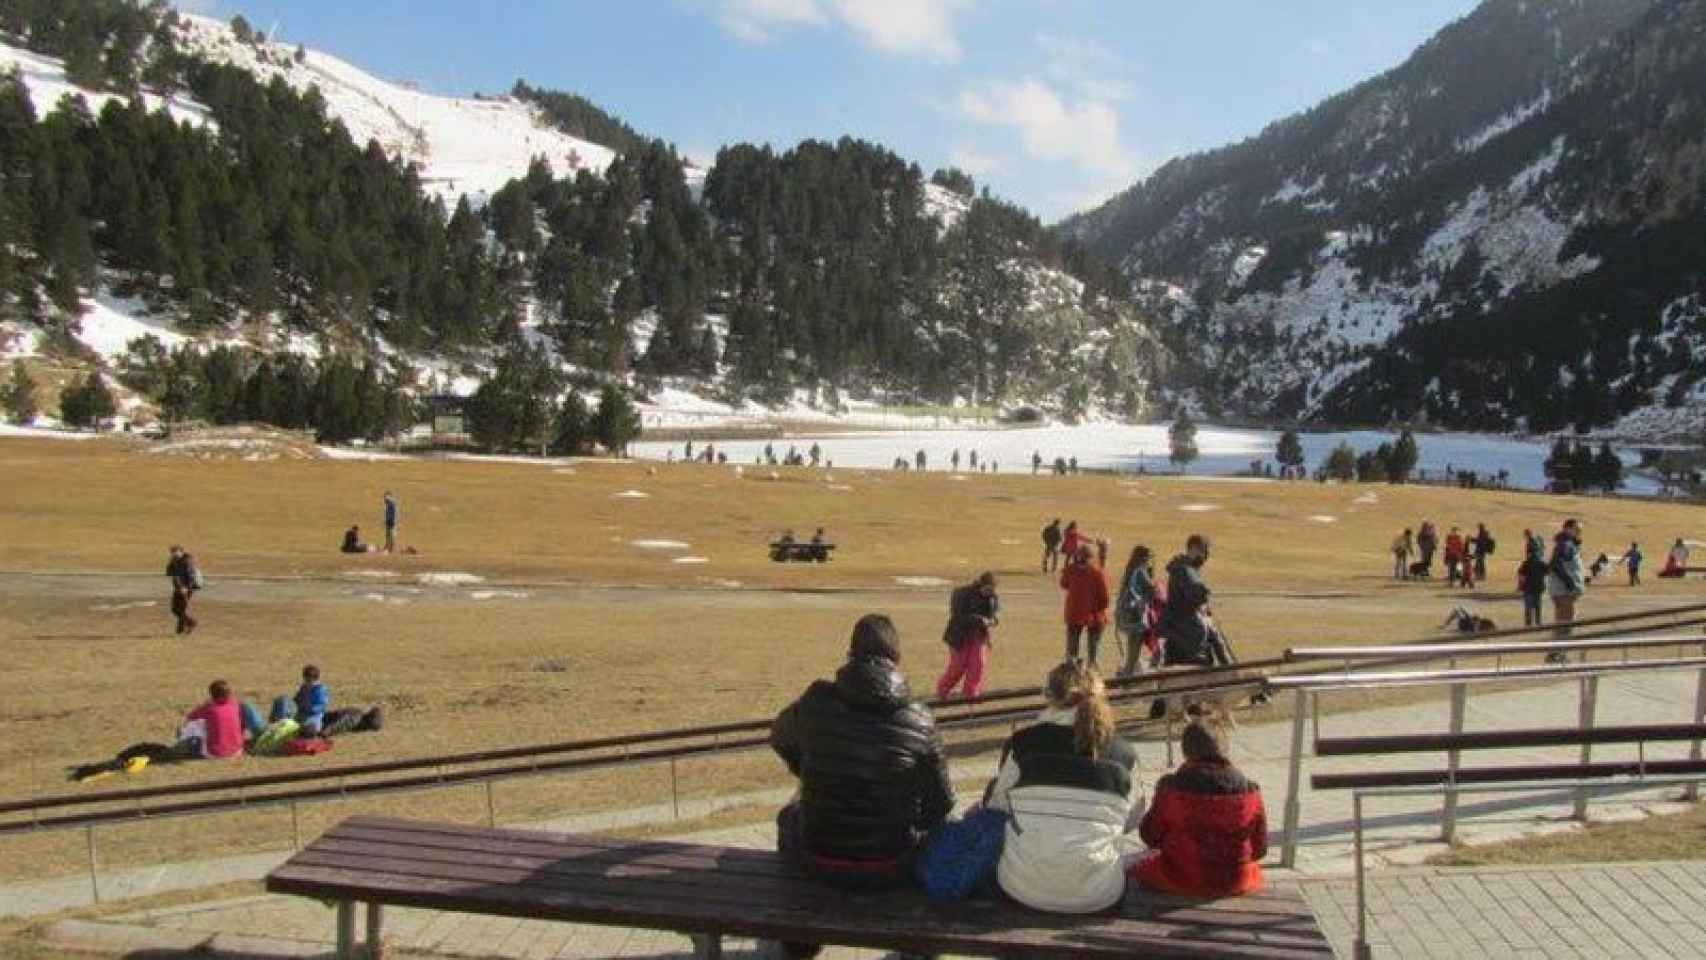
1086, 602
185, 578
392, 515
1531, 582
1427, 541
1564, 581
1051, 546
1484, 546
1403, 546
1632, 560
973, 612
1135, 613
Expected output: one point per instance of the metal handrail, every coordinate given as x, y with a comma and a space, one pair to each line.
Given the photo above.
1436, 677
1467, 649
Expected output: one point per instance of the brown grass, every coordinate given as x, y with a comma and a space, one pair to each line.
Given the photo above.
1677, 836
612, 638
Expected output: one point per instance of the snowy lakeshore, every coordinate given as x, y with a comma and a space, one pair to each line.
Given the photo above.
1129, 448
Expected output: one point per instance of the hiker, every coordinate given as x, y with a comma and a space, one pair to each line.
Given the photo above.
1136, 613
392, 515
873, 776
1403, 546
1531, 583
1071, 785
186, 580
1564, 581
1086, 602
1676, 562
1484, 546
1632, 560
223, 722
973, 612
1454, 557
353, 542
1427, 541
1051, 546
307, 706
1206, 827
1071, 540
1036, 462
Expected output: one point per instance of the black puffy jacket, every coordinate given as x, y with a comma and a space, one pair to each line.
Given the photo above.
1181, 624
873, 779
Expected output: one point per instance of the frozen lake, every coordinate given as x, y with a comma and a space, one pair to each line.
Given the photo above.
1128, 447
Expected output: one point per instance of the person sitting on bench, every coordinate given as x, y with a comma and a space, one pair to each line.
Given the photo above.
818, 552
1071, 786
353, 542
873, 775
1206, 829
783, 548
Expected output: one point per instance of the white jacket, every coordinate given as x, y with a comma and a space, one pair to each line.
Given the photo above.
1067, 836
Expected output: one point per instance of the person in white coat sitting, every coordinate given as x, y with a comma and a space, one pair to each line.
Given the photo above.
1071, 790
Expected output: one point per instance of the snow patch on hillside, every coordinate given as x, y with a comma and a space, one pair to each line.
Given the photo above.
1505, 124
945, 205
109, 323
45, 79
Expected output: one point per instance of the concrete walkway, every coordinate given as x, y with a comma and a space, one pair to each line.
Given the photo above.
1401, 832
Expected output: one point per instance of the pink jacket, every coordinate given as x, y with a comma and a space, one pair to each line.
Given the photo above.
224, 727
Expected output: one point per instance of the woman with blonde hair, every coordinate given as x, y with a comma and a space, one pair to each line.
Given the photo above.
1070, 786
1207, 830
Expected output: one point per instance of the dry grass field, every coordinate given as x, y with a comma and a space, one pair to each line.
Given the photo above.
575, 631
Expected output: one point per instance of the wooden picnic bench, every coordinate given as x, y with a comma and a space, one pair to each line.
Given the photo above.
711, 892
805, 551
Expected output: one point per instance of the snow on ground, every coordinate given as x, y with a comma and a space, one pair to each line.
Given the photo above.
1125, 447
449, 579
109, 323
44, 77
43, 433
471, 146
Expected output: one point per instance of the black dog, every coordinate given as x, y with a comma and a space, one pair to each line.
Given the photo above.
1421, 571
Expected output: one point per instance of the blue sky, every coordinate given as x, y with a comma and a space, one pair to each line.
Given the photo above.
1057, 104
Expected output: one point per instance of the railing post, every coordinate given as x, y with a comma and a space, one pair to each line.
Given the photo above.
1590, 693
1448, 817
94, 881
1361, 950
1294, 780
491, 807
1693, 792
295, 829
674, 790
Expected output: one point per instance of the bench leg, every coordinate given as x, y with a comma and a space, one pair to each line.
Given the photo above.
708, 946
375, 929
346, 930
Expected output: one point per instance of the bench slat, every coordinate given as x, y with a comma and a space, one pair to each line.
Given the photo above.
709, 886
939, 932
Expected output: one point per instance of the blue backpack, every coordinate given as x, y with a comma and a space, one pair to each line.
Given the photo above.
960, 858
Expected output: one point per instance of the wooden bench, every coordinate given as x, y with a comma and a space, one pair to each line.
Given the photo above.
708, 893
806, 552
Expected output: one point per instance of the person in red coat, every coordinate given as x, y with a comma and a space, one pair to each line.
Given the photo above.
1071, 541
1086, 602
1206, 828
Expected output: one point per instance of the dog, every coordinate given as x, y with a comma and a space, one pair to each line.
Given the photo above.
1467, 622
1420, 571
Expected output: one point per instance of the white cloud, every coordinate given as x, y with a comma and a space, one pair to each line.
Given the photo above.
1087, 67
1085, 133
911, 27
975, 161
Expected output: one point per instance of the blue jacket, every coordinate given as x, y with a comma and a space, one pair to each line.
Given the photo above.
390, 512
1566, 567
312, 702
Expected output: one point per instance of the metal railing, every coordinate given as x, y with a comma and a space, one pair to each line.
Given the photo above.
1309, 687
1362, 949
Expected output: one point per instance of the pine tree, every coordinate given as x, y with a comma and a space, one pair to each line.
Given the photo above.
1289, 451
1557, 464
1341, 463
617, 423
1371, 465
1182, 440
19, 396
573, 429
1608, 469
1403, 459
88, 403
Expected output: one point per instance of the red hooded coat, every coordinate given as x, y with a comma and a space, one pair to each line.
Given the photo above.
1207, 833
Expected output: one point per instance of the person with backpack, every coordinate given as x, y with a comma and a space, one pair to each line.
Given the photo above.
1207, 828
1484, 546
1051, 546
1564, 581
1070, 787
186, 580
1427, 541
1531, 583
1137, 610
973, 612
1086, 602
873, 773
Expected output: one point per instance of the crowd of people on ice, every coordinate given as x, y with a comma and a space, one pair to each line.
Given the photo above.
1065, 824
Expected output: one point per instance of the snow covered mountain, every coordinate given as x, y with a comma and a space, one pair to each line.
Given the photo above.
1504, 232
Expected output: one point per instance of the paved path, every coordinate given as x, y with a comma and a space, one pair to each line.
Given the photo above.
1402, 832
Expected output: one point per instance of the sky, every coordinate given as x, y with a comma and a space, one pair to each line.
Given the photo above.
1055, 104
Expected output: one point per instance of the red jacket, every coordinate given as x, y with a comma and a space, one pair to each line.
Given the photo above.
1071, 542
224, 727
1454, 548
1207, 833
1086, 595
